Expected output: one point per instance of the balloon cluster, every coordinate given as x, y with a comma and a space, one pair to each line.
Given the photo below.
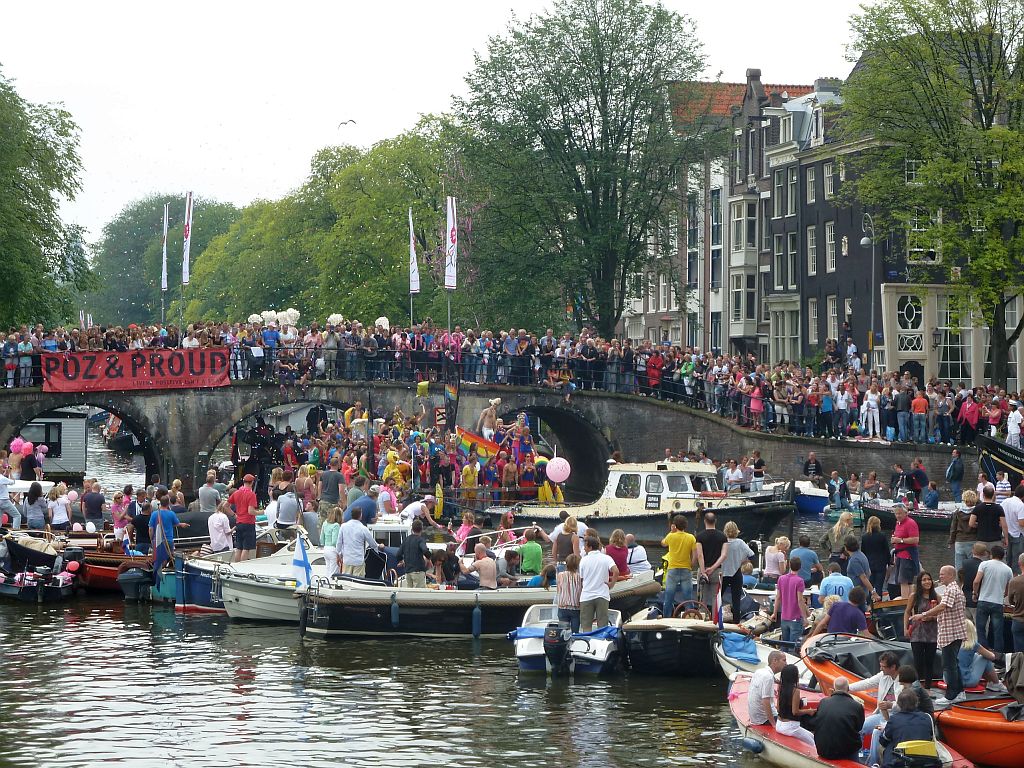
22, 446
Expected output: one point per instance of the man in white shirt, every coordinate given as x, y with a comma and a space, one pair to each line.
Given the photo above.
353, 540
636, 559
761, 691
581, 528
1013, 422
598, 572
1013, 509
424, 510
990, 593
6, 505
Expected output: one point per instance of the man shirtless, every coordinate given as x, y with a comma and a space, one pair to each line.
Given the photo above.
488, 419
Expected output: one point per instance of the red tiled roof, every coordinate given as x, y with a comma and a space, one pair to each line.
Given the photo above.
718, 99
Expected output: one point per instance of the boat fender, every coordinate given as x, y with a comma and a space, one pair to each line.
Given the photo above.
753, 745
477, 618
394, 610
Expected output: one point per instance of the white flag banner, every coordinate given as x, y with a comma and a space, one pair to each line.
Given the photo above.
88, 320
188, 238
163, 269
451, 247
414, 269
81, 318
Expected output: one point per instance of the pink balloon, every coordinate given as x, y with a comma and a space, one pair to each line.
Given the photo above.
44, 449
73, 496
558, 470
77, 527
27, 449
72, 566
16, 444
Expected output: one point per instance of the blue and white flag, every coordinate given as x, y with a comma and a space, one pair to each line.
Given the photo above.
300, 566
161, 545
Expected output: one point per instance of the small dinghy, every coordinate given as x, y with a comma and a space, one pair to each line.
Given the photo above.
39, 584
543, 644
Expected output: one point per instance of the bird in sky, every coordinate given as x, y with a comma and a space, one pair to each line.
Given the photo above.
346, 122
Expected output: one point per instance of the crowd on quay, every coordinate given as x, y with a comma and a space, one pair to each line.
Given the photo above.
837, 399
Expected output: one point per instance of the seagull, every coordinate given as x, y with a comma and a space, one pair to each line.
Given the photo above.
346, 122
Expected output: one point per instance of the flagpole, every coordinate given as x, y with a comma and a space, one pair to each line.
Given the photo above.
163, 267
410, 310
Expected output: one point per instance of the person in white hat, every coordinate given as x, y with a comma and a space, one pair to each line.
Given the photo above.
423, 509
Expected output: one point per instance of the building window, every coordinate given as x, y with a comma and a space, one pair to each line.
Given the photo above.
777, 263
955, 347
737, 164
692, 269
716, 267
764, 297
752, 152
691, 329
786, 129
911, 169
736, 211
766, 132
652, 294
716, 217
737, 298
831, 310
791, 267
716, 330
848, 308
830, 246
812, 321
812, 250
766, 230
827, 178
778, 336
751, 225
922, 246
793, 348
751, 297
791, 197
664, 287
692, 221
780, 182
811, 173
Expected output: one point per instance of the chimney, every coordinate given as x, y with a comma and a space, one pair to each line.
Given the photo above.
827, 85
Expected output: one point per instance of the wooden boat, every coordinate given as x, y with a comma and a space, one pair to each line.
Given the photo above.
544, 645
791, 752
640, 498
673, 646
976, 727
926, 519
732, 666
360, 607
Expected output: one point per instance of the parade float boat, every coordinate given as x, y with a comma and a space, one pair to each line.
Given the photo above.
355, 607
791, 752
641, 498
543, 644
979, 727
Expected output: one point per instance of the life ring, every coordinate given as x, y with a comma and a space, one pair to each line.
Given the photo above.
712, 494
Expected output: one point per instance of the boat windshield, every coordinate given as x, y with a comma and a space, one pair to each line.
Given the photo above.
678, 484
704, 483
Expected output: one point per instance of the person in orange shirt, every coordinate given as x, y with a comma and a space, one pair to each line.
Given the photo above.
919, 414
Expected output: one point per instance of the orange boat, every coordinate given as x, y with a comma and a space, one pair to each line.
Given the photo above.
976, 727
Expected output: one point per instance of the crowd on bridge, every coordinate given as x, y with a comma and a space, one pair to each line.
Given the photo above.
839, 399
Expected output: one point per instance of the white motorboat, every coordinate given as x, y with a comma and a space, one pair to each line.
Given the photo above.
732, 665
544, 645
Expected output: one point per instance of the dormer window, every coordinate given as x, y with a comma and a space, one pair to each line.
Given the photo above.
817, 127
786, 129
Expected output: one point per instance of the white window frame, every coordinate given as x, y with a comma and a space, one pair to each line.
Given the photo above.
911, 167
737, 298
793, 189
827, 177
792, 258
778, 258
778, 190
812, 250
737, 225
786, 129
830, 246
812, 321
832, 318
811, 180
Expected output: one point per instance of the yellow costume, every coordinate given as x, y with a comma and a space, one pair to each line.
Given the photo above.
391, 469
549, 493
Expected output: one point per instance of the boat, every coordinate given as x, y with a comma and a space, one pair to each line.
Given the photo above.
976, 727
885, 619
543, 644
995, 456
682, 646
808, 498
363, 607
38, 585
136, 582
118, 437
733, 664
833, 513
926, 519
104, 565
791, 752
640, 498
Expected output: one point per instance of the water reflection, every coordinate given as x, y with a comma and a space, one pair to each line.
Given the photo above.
114, 470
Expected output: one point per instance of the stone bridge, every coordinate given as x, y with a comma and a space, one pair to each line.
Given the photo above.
177, 425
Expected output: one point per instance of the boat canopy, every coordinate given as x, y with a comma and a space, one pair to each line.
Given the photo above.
857, 655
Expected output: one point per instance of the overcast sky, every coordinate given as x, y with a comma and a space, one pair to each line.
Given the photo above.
231, 99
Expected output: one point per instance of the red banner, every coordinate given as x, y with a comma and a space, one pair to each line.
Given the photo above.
139, 369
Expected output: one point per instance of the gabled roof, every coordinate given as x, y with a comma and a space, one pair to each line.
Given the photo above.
717, 99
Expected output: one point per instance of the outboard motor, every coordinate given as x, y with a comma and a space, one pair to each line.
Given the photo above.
43, 574
556, 648
74, 555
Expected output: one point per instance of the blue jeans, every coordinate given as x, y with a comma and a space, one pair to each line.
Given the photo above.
954, 488
1017, 629
989, 620
951, 669
677, 580
903, 420
793, 632
11, 510
920, 427
570, 616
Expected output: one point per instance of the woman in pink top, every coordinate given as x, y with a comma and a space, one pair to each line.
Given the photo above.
119, 514
618, 552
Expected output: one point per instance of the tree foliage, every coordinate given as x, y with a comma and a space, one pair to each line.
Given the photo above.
127, 259
43, 259
575, 145
939, 88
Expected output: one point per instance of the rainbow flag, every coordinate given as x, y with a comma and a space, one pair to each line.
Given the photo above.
451, 392
485, 449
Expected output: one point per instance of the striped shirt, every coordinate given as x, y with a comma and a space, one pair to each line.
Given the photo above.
568, 587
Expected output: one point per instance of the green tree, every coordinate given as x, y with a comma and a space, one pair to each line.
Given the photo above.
127, 259
42, 259
938, 87
574, 139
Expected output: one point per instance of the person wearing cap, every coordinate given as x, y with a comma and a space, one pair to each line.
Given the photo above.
245, 504
424, 510
367, 504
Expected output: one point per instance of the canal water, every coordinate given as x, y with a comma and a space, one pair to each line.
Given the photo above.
99, 679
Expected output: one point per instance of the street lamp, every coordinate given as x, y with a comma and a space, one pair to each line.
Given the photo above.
868, 228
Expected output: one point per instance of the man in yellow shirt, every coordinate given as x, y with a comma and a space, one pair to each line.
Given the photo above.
682, 551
